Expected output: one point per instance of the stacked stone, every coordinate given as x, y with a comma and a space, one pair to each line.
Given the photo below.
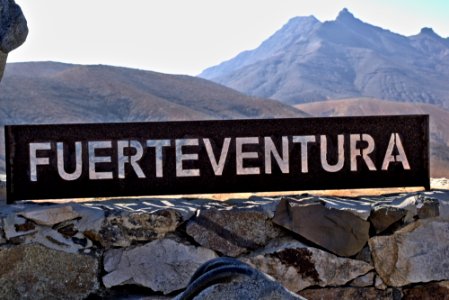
384, 247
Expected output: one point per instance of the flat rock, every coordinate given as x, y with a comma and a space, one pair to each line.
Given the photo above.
161, 265
50, 215
13, 26
297, 266
419, 252
36, 272
351, 293
233, 230
338, 231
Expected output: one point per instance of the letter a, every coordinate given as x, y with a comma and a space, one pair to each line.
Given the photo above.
395, 140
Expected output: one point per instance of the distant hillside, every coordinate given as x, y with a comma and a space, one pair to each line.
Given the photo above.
439, 122
48, 92
308, 60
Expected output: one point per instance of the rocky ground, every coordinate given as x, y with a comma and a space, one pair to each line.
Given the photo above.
392, 246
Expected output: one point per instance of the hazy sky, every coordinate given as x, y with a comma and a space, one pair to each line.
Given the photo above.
187, 36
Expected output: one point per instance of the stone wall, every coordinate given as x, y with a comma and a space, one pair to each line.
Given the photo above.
382, 247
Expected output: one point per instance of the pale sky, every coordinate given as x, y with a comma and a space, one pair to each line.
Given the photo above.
187, 36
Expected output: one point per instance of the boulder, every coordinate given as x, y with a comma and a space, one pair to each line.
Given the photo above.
36, 272
338, 231
233, 230
13, 26
419, 252
13, 30
297, 266
162, 265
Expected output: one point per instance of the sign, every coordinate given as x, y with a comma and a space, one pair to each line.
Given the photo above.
159, 158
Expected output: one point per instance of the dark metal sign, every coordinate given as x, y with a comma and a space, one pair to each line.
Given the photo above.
159, 158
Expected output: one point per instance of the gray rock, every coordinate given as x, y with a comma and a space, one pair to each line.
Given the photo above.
36, 272
365, 255
50, 215
13, 26
297, 266
162, 265
233, 230
419, 252
366, 280
379, 284
351, 293
338, 231
429, 208
359, 207
383, 217
442, 197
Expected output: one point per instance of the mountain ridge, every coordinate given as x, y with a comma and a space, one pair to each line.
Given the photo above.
342, 58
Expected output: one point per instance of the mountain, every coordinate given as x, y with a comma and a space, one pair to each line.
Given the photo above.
308, 60
439, 122
48, 92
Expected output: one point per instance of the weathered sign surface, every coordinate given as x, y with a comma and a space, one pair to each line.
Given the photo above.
158, 158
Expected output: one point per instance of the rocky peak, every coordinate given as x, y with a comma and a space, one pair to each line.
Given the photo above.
345, 16
428, 32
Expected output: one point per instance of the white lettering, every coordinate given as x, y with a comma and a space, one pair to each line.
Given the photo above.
123, 159
395, 140
35, 161
180, 157
354, 151
217, 167
270, 149
240, 155
304, 140
93, 159
341, 154
78, 162
158, 145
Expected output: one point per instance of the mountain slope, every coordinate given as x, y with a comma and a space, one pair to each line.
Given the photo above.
50, 92
439, 122
314, 60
